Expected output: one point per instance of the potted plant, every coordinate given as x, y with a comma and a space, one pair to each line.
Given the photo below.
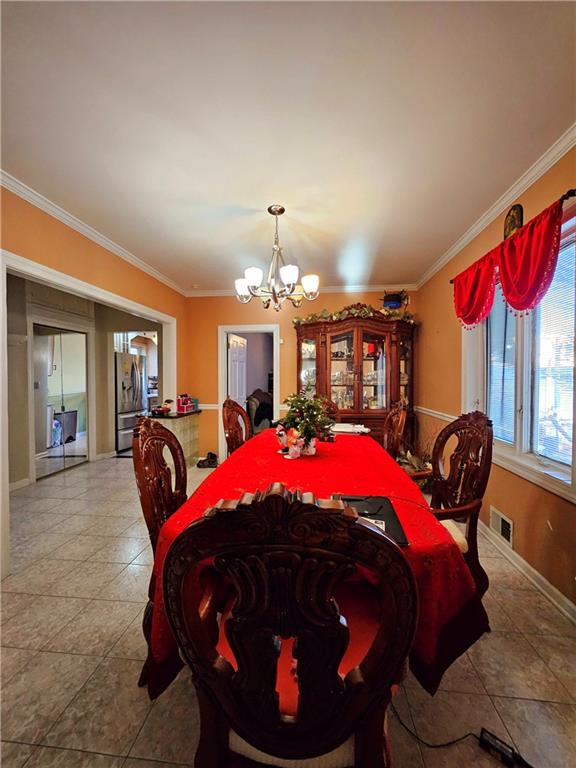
305, 421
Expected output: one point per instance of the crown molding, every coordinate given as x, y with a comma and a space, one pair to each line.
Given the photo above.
554, 153
16, 186
323, 289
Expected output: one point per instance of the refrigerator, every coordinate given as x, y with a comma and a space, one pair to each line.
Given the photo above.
131, 396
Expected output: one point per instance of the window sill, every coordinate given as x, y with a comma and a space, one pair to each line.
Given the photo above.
548, 477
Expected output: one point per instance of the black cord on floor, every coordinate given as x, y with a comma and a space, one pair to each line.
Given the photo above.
427, 743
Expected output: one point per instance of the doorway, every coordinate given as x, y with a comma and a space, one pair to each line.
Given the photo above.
249, 363
60, 399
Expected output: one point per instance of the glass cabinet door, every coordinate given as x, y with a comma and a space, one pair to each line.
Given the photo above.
308, 363
374, 371
341, 348
405, 369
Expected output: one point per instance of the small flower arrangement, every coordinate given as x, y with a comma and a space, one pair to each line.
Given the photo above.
307, 414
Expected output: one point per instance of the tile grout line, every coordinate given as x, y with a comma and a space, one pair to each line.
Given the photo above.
124, 758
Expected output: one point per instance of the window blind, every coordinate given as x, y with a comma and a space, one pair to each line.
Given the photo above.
553, 358
501, 368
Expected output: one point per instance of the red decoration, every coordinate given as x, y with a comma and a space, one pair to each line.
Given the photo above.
474, 290
528, 259
524, 264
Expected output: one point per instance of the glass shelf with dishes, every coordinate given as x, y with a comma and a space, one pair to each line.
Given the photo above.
308, 371
373, 371
342, 396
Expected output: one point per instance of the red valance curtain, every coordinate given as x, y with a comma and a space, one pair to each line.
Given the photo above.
524, 264
474, 290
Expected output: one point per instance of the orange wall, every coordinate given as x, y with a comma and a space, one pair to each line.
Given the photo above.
544, 524
206, 314
29, 232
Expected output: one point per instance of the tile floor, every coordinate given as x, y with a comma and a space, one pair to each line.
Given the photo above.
72, 649
62, 457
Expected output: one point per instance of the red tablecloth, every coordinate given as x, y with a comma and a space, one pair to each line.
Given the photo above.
451, 617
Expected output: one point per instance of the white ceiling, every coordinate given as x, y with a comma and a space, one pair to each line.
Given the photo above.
386, 129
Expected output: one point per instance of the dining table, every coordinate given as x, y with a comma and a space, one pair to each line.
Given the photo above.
451, 617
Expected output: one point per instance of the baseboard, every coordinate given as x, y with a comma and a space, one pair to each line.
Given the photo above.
563, 603
109, 455
19, 484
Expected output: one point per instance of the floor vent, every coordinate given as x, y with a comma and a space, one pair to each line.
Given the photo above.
503, 526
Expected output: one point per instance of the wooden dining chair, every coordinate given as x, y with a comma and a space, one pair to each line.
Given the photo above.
394, 423
161, 493
237, 426
306, 659
457, 492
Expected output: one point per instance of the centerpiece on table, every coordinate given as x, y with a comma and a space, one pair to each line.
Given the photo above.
307, 419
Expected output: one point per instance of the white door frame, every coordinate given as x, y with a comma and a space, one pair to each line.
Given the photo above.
18, 265
223, 331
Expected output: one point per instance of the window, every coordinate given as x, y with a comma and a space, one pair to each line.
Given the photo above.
528, 381
553, 362
501, 369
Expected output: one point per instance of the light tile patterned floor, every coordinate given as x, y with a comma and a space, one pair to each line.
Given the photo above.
72, 649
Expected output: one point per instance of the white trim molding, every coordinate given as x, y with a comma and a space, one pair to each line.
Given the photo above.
563, 603
18, 187
434, 414
4, 448
208, 406
223, 331
554, 153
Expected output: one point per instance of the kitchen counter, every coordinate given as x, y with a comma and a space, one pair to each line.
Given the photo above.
175, 415
187, 430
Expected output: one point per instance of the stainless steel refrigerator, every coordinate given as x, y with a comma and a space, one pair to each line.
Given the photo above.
131, 396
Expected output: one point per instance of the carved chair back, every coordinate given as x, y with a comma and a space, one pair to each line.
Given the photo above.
284, 554
159, 496
468, 465
237, 425
394, 423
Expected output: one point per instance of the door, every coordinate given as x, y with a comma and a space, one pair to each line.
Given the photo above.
60, 399
237, 347
43, 365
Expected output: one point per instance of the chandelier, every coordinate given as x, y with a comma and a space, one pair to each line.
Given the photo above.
282, 282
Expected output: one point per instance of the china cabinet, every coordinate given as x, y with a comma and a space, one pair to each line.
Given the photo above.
363, 364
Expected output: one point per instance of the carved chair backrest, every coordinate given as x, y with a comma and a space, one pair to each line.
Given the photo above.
468, 465
394, 423
159, 496
237, 425
285, 554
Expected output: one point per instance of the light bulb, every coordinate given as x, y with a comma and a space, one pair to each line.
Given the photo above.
310, 284
289, 274
242, 287
254, 277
